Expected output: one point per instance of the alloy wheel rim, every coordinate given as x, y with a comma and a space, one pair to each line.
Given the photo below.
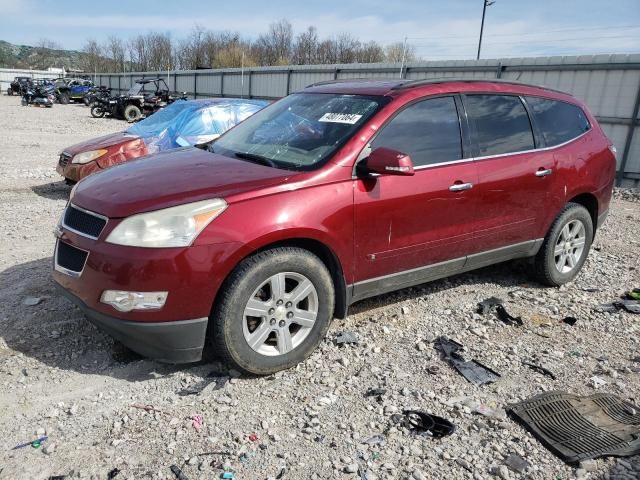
569, 246
280, 314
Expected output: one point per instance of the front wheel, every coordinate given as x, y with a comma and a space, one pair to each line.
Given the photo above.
97, 111
273, 310
63, 98
565, 247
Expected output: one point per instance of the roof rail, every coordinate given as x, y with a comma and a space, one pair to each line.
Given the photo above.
430, 81
356, 80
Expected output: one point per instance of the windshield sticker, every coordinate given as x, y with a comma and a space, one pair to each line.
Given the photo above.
349, 118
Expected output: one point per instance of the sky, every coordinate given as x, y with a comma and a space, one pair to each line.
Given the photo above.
443, 29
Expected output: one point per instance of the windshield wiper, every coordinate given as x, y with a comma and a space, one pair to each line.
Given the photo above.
256, 158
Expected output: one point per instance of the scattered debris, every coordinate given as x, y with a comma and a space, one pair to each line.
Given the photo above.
227, 475
347, 338
580, 428
516, 463
540, 369
197, 421
113, 474
253, 437
216, 378
55, 477
32, 301
597, 382
375, 392
375, 440
426, 424
631, 306
34, 443
472, 370
178, 473
488, 305
148, 408
634, 294
281, 473
505, 317
570, 320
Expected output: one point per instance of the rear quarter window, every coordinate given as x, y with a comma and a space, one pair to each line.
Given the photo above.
501, 124
558, 122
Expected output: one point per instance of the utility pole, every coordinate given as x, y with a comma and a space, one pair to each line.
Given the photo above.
404, 56
486, 3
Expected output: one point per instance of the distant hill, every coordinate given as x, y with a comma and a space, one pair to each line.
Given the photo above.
38, 58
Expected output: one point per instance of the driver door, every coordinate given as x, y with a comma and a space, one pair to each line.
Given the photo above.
410, 229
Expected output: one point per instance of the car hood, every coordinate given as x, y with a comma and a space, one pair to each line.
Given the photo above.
100, 142
171, 178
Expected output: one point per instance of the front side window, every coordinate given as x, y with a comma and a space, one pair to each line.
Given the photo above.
300, 131
558, 121
428, 131
501, 123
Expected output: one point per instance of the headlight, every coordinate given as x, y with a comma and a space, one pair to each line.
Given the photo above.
86, 157
170, 227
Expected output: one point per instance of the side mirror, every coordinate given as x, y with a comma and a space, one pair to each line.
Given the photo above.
386, 161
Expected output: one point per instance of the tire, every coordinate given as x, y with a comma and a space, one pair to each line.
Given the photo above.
230, 329
132, 113
560, 241
9, 91
86, 101
97, 111
64, 99
24, 102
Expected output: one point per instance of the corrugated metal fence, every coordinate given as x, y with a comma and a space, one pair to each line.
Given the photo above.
609, 84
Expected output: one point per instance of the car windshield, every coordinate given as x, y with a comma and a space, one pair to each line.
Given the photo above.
300, 131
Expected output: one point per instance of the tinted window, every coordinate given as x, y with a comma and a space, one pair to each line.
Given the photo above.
428, 131
502, 124
558, 122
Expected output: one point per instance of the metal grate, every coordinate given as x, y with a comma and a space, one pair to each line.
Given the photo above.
577, 428
83, 222
71, 258
64, 159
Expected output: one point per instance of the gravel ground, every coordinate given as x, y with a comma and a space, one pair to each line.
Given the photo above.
60, 376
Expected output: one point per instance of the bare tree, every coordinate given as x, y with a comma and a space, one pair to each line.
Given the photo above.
93, 58
116, 50
305, 48
395, 52
275, 46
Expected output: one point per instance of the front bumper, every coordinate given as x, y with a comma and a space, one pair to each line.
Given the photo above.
180, 341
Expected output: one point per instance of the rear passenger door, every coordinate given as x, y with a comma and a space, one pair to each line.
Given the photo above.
514, 179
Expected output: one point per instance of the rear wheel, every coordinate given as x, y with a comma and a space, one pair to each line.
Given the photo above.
86, 101
97, 111
132, 113
9, 91
565, 247
273, 310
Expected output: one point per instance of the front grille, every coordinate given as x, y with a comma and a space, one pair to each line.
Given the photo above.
84, 223
64, 159
71, 258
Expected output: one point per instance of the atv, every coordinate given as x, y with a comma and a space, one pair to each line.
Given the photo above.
72, 89
136, 103
18, 86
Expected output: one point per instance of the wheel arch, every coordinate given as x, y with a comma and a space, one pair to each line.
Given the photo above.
318, 248
590, 202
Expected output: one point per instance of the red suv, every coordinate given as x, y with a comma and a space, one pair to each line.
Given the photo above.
342, 191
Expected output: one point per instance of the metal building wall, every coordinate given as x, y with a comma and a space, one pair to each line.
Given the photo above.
8, 74
609, 85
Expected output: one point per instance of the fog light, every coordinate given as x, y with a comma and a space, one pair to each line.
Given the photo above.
127, 301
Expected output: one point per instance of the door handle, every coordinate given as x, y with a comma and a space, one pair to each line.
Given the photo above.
543, 173
459, 187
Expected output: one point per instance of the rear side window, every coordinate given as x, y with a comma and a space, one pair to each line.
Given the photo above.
428, 131
558, 122
501, 122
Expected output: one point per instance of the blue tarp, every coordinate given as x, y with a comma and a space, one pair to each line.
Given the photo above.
192, 122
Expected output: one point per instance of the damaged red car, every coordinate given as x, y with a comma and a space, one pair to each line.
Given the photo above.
181, 124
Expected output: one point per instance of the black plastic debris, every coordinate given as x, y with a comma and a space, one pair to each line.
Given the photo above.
505, 317
281, 473
347, 338
488, 305
113, 474
540, 369
580, 428
516, 463
472, 370
178, 473
56, 477
375, 392
570, 320
219, 378
426, 424
631, 306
